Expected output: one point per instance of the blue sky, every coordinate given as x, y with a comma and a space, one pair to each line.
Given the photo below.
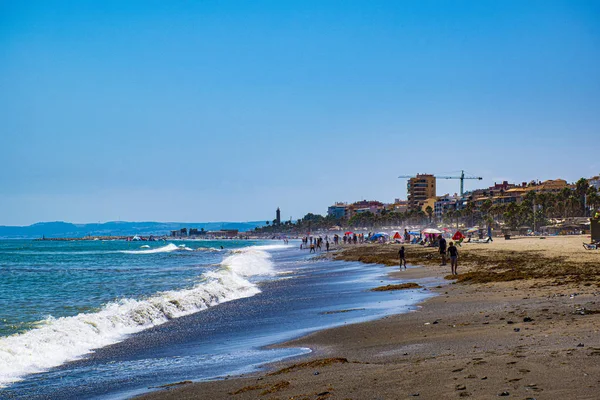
224, 110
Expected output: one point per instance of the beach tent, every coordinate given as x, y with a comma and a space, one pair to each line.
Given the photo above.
414, 233
378, 235
397, 235
458, 235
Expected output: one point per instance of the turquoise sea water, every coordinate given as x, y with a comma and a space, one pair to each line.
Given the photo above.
107, 320
39, 279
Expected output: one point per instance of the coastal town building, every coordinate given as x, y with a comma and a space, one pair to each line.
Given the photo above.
448, 203
420, 188
345, 210
372, 206
399, 206
549, 186
183, 232
278, 217
338, 210
428, 203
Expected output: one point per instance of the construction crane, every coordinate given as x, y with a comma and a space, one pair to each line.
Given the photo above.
462, 178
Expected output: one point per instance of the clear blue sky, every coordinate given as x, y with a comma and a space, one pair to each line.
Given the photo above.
223, 110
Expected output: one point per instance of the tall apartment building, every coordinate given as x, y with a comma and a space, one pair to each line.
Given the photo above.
419, 189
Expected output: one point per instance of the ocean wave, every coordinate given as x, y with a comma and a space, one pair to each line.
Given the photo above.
209, 249
165, 249
58, 340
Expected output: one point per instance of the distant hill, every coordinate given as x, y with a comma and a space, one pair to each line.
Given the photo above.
115, 228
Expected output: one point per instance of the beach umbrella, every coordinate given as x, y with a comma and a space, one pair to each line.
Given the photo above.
414, 232
432, 230
382, 234
348, 233
472, 230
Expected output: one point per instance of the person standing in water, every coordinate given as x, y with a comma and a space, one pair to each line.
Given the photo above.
453, 252
402, 257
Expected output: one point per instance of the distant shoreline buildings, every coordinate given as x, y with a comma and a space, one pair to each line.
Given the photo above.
421, 195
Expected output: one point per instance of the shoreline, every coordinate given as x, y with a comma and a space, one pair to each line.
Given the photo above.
523, 337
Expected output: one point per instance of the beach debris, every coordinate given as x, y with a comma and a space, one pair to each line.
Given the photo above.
341, 311
316, 373
457, 370
510, 322
268, 388
527, 319
580, 345
323, 393
504, 394
585, 311
402, 286
533, 386
437, 321
168, 385
310, 364
276, 387
415, 395
460, 387
517, 329
484, 378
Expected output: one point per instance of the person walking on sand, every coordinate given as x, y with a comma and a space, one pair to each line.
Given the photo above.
327, 245
453, 252
402, 257
442, 244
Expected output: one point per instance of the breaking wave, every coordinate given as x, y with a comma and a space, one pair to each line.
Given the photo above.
58, 340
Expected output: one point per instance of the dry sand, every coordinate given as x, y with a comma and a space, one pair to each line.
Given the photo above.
531, 337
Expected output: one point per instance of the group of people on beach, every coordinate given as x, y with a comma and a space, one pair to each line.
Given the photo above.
315, 243
445, 250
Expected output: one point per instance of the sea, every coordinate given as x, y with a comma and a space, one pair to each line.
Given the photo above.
115, 319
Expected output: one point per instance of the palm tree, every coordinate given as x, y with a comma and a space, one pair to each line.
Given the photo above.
429, 212
468, 211
485, 209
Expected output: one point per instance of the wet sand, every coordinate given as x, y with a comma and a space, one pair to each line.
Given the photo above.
525, 326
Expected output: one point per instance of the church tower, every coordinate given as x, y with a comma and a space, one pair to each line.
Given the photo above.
278, 216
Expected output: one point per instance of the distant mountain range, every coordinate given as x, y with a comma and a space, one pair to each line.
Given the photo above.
115, 228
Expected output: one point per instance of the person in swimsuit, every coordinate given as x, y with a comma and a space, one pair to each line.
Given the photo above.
453, 252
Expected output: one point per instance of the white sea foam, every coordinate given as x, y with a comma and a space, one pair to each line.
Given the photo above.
58, 340
165, 249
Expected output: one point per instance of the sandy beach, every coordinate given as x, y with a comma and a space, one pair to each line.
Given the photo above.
521, 321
